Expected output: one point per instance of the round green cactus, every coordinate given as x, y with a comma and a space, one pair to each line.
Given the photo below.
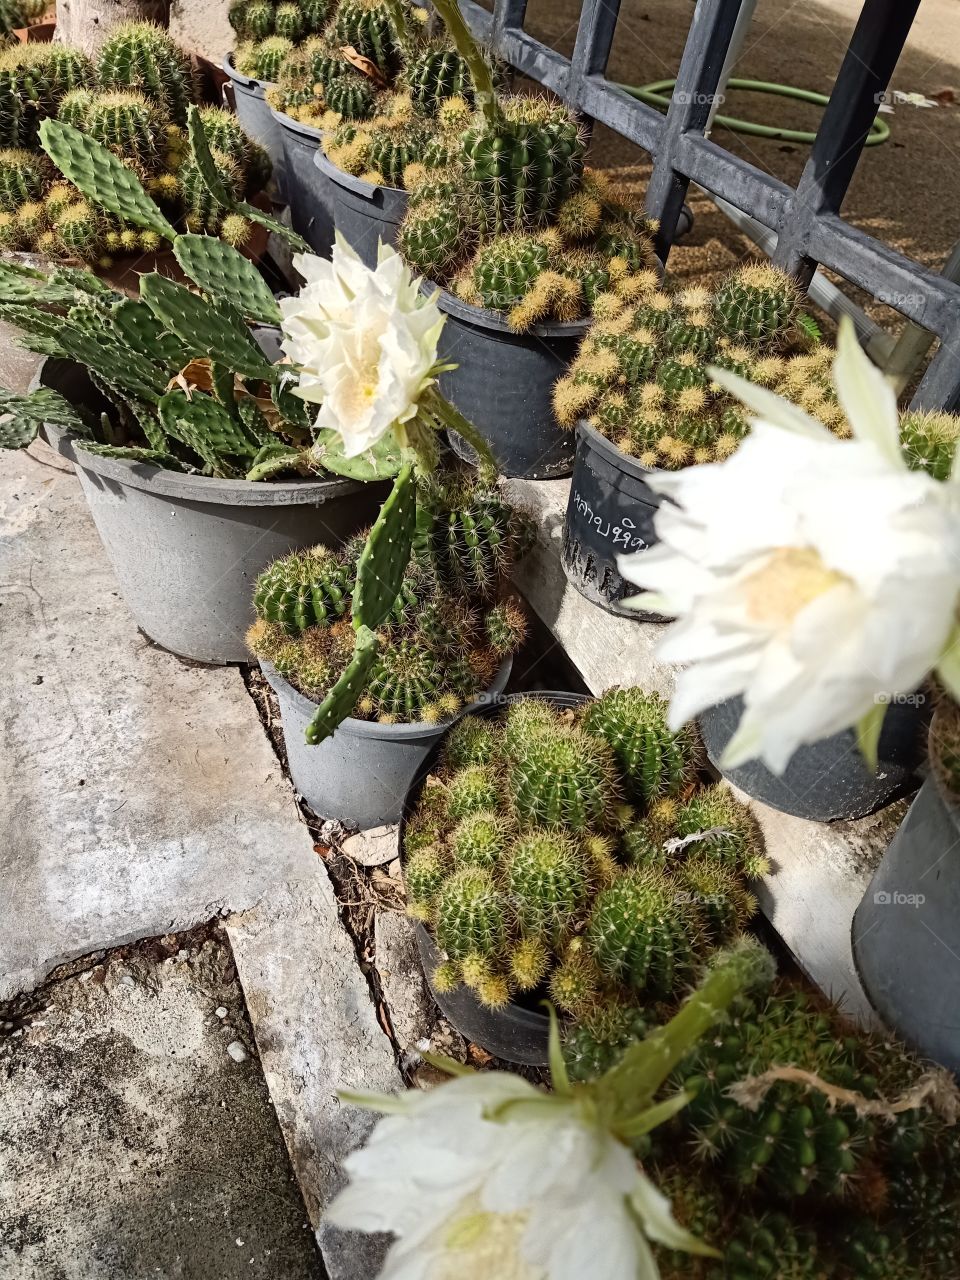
471, 741
64, 69
757, 304
368, 26
526, 722
596, 1040
723, 904
547, 882
480, 840
470, 537
79, 230
435, 74
424, 872
75, 107
126, 124
565, 778
729, 832
929, 442
679, 373
391, 150
264, 60
304, 589
252, 19
407, 682
575, 983
506, 627
641, 931
289, 22
142, 57
623, 238
471, 915
23, 177
653, 760
506, 267
473, 789
315, 14
351, 97
433, 238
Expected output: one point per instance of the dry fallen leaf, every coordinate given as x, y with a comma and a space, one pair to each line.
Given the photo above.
364, 66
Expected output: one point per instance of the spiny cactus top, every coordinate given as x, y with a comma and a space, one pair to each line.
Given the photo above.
447, 633
642, 377
576, 817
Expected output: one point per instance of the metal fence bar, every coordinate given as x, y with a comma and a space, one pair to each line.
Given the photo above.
806, 220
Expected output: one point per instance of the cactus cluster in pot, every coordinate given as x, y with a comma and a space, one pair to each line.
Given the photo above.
642, 376
809, 1148
187, 386
577, 853
19, 13
134, 101
447, 632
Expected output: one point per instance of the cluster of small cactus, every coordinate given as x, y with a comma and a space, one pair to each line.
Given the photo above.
642, 378
293, 20
133, 101
571, 831
447, 632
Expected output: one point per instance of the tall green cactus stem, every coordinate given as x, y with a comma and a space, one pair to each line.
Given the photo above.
385, 557
642, 932
141, 56
484, 92
547, 883
653, 761
304, 589
315, 14
471, 915
564, 778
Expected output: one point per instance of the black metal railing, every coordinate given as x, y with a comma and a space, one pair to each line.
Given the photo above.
806, 219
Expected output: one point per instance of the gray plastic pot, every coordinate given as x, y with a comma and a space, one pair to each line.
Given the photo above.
306, 187
906, 931
362, 773
364, 213
829, 780
610, 513
187, 549
253, 112
503, 384
516, 1033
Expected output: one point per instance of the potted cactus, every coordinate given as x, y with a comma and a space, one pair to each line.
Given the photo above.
448, 640
523, 240
642, 400
176, 415
134, 101
807, 1148
569, 848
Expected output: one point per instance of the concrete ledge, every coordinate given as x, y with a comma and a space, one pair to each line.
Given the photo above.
820, 870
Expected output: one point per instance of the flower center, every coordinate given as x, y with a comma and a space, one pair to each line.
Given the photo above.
477, 1245
791, 578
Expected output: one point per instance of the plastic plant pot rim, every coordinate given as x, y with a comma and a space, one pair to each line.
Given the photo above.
495, 321
304, 130
622, 461
248, 82
177, 484
387, 732
357, 185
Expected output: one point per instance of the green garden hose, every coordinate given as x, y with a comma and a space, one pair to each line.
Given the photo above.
657, 94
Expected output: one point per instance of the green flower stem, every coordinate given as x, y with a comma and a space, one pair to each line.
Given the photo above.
438, 408
629, 1087
467, 47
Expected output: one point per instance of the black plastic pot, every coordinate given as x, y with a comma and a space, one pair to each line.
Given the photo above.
610, 513
516, 1033
253, 112
362, 773
829, 780
503, 384
363, 213
906, 931
306, 187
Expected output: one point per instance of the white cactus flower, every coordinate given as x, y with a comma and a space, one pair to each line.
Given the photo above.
814, 576
365, 341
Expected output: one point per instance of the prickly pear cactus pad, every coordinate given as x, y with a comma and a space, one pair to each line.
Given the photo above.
642, 376
439, 646
583, 821
809, 1149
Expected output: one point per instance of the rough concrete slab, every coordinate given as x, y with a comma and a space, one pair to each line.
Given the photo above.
317, 1031
140, 793
412, 1010
134, 1145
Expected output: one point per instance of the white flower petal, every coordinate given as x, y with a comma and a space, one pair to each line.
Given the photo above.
866, 397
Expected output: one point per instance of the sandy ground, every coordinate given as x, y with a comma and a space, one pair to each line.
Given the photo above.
906, 192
